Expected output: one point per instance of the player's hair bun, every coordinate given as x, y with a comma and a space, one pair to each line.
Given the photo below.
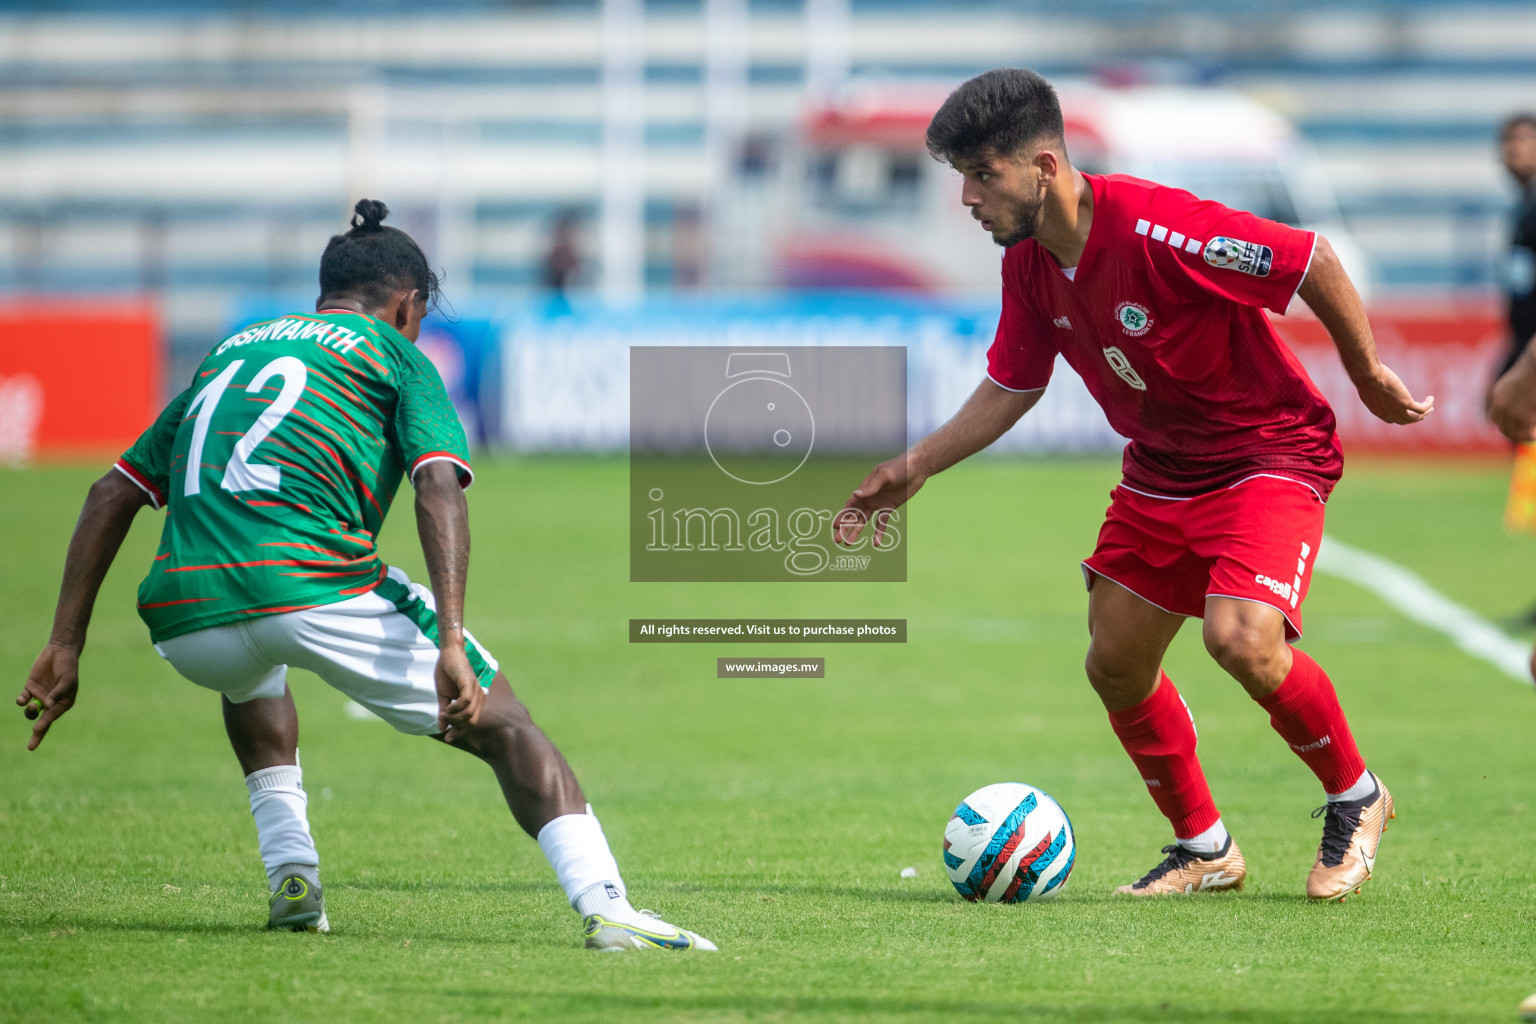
368, 214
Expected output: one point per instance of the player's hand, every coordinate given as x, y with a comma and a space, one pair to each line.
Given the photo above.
1512, 404
459, 695
1389, 399
53, 682
886, 488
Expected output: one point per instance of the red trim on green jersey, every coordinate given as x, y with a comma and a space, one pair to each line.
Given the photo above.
156, 498
466, 477
185, 600
371, 585
277, 611
306, 547
299, 505
307, 563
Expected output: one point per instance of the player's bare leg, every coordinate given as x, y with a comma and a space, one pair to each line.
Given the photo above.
538, 784
1125, 658
1127, 640
547, 801
1247, 638
264, 733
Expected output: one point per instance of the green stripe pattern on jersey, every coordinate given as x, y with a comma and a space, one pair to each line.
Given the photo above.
415, 609
278, 465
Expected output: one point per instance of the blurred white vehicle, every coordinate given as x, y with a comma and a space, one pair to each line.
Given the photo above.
861, 204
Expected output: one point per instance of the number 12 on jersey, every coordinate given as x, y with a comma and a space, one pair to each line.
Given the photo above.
239, 474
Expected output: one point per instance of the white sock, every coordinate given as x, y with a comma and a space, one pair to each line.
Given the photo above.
278, 804
1363, 788
576, 848
1208, 842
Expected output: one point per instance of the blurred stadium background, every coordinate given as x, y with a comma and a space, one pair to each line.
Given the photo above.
597, 173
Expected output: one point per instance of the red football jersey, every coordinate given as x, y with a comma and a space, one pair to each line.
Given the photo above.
1164, 320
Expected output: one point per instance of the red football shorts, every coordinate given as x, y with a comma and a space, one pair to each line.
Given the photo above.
1255, 540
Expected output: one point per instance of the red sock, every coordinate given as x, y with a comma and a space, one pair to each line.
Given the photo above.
1305, 712
1159, 734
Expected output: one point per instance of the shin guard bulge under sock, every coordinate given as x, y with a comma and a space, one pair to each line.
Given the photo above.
1305, 712
281, 809
1159, 734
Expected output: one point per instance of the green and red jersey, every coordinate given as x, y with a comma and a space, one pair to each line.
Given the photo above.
278, 465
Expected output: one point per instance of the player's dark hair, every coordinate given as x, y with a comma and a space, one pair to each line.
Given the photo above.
996, 114
372, 261
1520, 120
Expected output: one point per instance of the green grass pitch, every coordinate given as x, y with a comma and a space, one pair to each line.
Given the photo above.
775, 815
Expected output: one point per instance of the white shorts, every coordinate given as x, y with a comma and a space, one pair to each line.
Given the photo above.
376, 648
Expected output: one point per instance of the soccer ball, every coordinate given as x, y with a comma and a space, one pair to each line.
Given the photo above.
1008, 843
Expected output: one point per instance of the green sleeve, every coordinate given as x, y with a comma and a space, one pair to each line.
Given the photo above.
426, 425
148, 461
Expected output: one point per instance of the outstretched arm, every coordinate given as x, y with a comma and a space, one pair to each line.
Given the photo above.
52, 684
442, 523
985, 417
1329, 293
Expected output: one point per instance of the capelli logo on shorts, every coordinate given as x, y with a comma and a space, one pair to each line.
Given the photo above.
1280, 589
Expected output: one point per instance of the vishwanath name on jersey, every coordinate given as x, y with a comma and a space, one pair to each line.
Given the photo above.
278, 465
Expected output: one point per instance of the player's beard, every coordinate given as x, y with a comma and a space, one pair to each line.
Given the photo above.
1026, 221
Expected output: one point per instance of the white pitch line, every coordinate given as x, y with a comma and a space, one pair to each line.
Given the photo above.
1408, 592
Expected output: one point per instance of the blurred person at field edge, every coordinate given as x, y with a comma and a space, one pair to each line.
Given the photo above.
1512, 399
1512, 402
562, 260
1517, 151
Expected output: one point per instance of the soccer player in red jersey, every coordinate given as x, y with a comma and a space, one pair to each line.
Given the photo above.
1156, 298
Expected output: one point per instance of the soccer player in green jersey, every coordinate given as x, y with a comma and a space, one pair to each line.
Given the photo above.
276, 468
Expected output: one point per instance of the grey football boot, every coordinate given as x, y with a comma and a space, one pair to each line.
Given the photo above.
298, 905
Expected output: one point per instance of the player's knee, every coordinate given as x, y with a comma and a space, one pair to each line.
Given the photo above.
499, 731
1117, 682
1244, 649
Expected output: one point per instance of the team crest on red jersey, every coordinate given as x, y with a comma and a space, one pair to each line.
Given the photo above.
1134, 318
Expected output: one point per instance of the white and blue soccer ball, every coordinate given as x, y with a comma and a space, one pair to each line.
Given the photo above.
1008, 843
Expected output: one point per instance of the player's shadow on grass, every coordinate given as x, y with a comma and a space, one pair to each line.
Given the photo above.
1078, 896
76, 926
847, 1007
506, 886
903, 895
